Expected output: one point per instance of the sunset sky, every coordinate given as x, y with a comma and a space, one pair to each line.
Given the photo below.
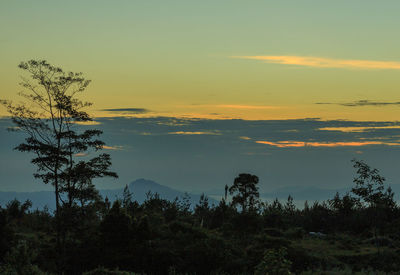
319, 61
215, 59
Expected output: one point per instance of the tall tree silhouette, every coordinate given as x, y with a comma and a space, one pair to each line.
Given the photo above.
49, 117
245, 191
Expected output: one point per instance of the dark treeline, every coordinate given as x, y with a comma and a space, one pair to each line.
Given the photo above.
351, 232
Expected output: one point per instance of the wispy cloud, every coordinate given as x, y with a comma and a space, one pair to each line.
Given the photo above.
146, 134
358, 129
92, 122
322, 62
194, 133
127, 110
361, 103
291, 144
80, 154
112, 147
245, 138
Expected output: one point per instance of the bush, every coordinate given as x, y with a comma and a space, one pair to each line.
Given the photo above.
19, 261
274, 262
295, 233
104, 271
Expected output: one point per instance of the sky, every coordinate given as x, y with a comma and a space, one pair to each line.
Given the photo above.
236, 65
202, 155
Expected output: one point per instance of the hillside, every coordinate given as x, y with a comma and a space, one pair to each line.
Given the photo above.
139, 189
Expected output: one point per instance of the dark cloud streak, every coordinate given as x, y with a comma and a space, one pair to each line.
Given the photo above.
360, 103
128, 110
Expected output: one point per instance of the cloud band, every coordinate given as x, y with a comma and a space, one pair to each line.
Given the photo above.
321, 62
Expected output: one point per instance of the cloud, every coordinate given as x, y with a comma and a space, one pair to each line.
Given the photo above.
112, 147
127, 110
357, 129
194, 133
302, 133
92, 122
362, 103
291, 144
282, 144
321, 62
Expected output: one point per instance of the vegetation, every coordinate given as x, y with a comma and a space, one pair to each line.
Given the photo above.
169, 237
352, 233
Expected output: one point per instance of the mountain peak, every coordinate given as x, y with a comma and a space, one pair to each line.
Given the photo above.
143, 182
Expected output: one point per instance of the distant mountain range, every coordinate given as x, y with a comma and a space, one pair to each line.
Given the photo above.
305, 193
315, 193
302, 193
140, 187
